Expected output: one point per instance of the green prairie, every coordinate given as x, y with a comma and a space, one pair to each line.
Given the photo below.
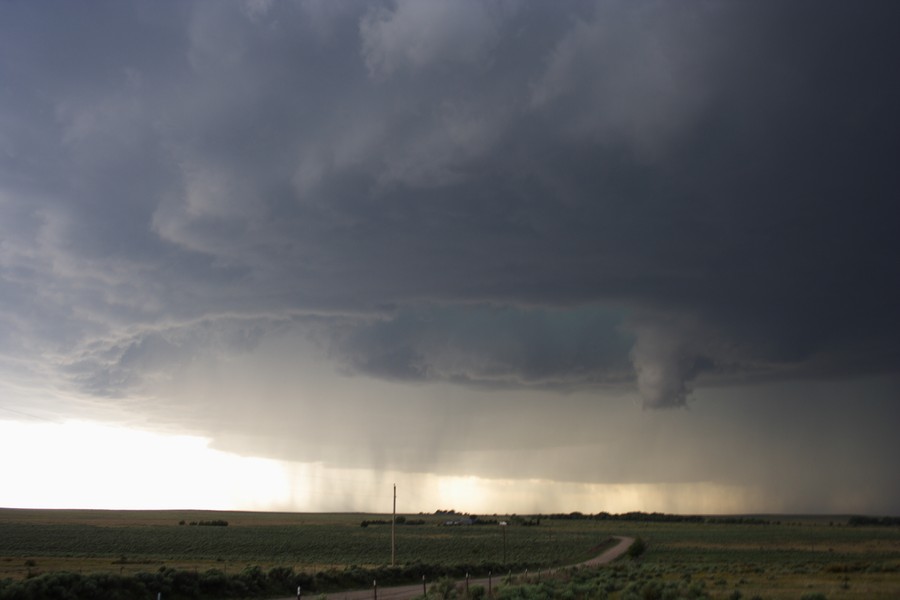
132, 541
787, 558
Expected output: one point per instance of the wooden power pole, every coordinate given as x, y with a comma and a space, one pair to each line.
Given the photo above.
393, 525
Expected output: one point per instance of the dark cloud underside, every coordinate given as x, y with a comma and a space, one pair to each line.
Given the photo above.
650, 196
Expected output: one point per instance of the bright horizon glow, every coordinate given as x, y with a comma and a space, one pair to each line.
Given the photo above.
82, 464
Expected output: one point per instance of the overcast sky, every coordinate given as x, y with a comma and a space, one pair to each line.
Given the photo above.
560, 247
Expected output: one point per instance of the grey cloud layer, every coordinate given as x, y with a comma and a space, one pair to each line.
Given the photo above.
492, 346
496, 193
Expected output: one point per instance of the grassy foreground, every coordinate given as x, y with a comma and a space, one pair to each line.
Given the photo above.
123, 542
790, 557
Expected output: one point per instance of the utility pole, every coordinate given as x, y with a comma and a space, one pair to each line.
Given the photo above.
393, 525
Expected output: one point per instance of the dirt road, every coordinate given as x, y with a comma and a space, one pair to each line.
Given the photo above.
404, 592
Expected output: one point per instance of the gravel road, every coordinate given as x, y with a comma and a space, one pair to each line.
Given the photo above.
404, 592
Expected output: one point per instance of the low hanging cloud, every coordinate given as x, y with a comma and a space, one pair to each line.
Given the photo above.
667, 359
491, 346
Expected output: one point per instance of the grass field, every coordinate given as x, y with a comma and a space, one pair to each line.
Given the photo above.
805, 556
796, 557
126, 541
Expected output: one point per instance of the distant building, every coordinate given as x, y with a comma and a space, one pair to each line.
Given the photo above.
461, 521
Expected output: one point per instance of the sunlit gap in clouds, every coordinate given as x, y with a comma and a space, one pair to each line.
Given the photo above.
535, 496
81, 464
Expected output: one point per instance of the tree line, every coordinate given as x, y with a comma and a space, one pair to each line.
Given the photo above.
656, 517
401, 520
212, 523
858, 521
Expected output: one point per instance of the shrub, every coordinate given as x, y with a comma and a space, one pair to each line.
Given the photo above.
444, 588
281, 577
637, 548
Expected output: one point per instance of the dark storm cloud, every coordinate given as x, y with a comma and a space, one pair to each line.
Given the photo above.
493, 346
498, 193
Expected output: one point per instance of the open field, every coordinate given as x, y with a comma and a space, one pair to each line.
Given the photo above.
126, 541
788, 558
805, 557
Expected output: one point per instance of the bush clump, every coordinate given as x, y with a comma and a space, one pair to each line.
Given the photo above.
637, 548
